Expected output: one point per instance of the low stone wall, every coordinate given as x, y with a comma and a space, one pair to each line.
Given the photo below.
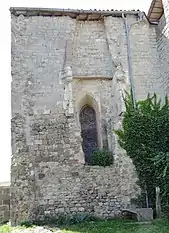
4, 201
98, 191
49, 177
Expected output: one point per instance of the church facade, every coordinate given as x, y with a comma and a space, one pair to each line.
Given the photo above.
70, 69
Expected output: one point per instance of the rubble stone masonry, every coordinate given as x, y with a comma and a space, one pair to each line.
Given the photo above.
4, 202
59, 65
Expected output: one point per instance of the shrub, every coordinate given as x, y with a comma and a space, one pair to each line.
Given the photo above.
102, 157
145, 137
27, 224
61, 220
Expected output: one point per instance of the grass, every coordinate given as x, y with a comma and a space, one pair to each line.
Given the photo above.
114, 226
6, 228
111, 226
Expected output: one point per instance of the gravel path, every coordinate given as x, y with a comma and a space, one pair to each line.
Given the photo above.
36, 230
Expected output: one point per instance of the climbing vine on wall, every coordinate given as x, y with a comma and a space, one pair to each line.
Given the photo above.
145, 137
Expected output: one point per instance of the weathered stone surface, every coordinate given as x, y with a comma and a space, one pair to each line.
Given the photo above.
4, 201
163, 48
94, 190
141, 214
59, 65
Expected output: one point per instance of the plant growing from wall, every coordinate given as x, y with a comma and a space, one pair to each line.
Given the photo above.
102, 157
145, 137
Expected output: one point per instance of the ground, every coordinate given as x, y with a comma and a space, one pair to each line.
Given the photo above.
157, 226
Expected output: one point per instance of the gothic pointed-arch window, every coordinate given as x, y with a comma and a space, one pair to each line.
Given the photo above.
88, 131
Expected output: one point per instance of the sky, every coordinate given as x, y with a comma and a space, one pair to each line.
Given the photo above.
5, 56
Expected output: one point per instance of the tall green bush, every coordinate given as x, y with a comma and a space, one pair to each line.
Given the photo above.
102, 157
145, 137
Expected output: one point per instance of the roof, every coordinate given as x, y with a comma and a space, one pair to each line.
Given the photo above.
4, 184
73, 13
155, 11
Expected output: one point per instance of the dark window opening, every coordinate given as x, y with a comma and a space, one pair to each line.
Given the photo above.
88, 132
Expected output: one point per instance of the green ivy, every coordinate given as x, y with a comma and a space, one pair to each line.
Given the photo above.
145, 137
102, 157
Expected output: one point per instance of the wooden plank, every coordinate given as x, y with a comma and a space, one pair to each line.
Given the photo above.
155, 11
158, 203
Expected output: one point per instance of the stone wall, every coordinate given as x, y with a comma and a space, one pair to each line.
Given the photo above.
163, 47
98, 94
146, 70
48, 178
58, 65
144, 56
91, 56
55, 140
4, 202
101, 192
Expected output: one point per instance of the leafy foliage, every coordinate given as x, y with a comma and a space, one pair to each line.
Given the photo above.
102, 157
102, 226
61, 220
145, 137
